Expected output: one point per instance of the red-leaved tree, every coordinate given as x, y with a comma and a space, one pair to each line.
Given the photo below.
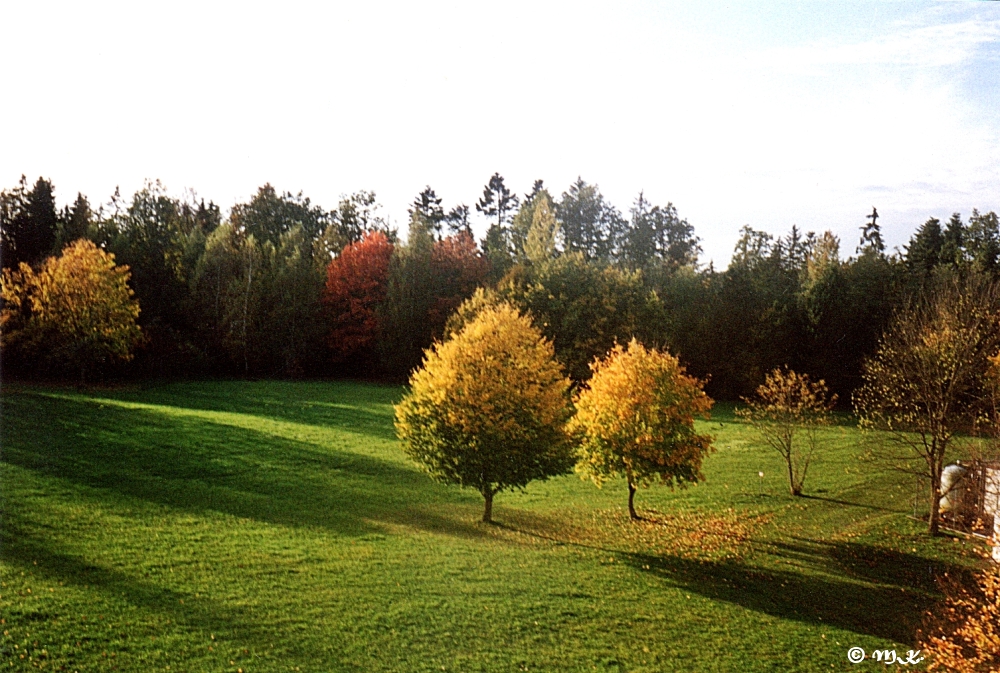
458, 268
355, 286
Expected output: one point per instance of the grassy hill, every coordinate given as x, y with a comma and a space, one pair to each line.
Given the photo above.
275, 526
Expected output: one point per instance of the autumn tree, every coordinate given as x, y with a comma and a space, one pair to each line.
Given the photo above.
488, 408
636, 416
787, 409
355, 286
926, 383
76, 310
458, 268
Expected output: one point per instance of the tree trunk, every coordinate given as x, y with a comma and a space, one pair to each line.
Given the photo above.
631, 502
932, 519
796, 489
488, 509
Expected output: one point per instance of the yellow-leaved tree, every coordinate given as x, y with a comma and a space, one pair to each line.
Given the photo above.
75, 310
488, 408
789, 405
636, 417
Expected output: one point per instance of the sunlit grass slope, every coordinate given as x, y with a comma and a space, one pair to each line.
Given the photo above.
274, 526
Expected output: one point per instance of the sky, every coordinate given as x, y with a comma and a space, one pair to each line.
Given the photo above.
767, 114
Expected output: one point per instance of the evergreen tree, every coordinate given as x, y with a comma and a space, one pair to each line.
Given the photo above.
75, 222
953, 242
871, 236
427, 206
588, 224
924, 251
497, 201
457, 220
536, 187
497, 250
658, 233
28, 223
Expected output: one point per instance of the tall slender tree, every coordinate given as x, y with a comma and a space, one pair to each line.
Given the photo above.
871, 236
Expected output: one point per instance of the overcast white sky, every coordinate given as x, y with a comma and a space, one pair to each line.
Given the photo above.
767, 114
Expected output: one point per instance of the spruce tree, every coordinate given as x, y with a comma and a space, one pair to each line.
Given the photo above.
924, 251
871, 236
953, 242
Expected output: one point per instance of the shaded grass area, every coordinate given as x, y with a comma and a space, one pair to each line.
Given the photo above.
275, 526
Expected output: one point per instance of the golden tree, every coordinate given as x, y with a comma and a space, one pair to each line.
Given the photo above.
927, 382
77, 308
787, 406
488, 408
636, 417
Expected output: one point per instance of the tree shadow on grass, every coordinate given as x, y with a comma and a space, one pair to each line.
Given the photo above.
359, 408
862, 588
196, 465
20, 549
887, 610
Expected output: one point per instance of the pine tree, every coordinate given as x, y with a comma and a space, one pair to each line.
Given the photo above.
427, 206
457, 220
497, 201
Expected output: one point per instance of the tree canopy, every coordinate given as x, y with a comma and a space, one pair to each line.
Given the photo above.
75, 311
488, 408
636, 417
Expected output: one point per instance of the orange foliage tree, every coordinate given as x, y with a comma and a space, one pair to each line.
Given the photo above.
488, 408
75, 310
458, 268
636, 417
355, 286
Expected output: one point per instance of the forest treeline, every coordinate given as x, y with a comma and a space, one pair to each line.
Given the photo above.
282, 287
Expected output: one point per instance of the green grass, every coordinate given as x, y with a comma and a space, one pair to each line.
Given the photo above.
278, 527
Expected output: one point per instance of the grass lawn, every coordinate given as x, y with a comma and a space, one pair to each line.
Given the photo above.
277, 526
